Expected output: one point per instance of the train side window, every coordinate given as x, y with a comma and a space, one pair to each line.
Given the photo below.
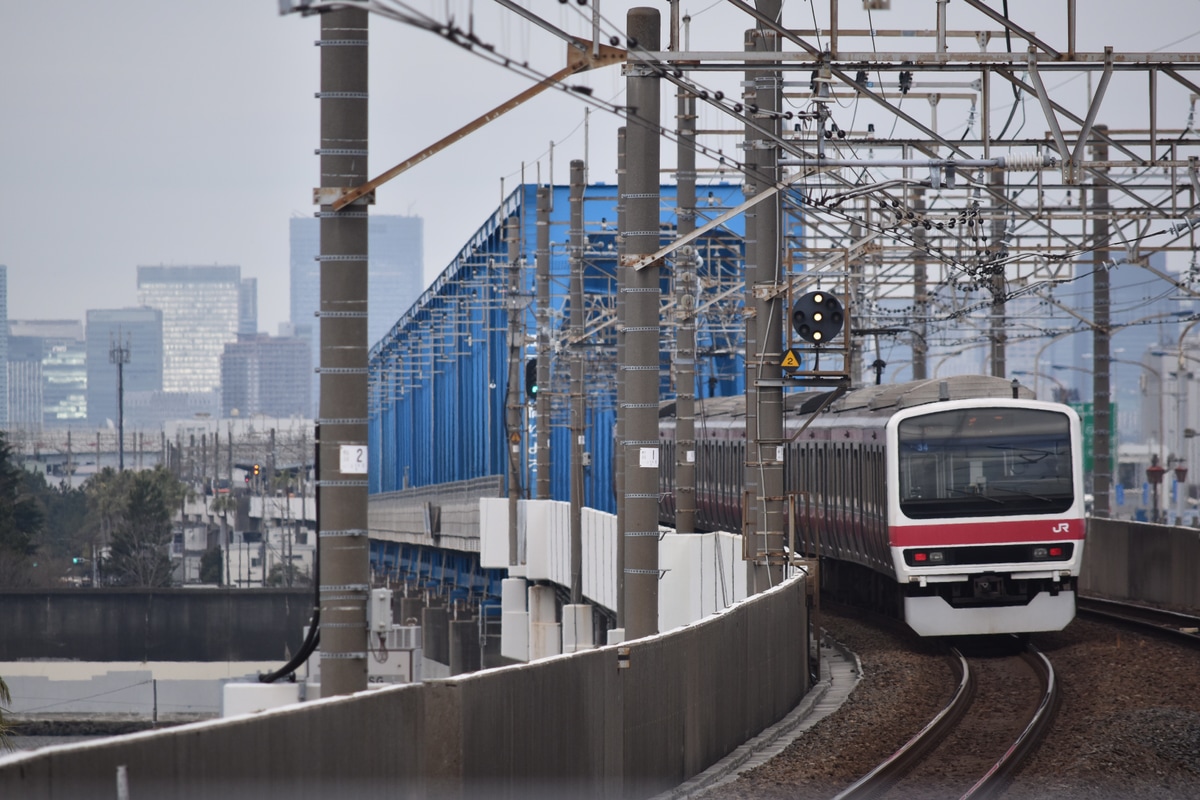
819, 476
839, 477
856, 470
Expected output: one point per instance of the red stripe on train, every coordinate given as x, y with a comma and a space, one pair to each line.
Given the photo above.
982, 532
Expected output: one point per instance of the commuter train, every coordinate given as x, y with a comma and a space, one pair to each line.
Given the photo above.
955, 503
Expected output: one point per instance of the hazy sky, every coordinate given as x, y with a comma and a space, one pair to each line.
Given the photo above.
152, 132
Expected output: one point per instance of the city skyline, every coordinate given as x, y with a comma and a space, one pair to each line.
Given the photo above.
394, 247
201, 310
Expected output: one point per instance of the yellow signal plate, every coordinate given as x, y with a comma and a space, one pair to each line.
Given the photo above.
790, 361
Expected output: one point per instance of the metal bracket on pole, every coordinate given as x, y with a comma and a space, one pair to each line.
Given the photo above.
640, 263
1072, 160
331, 195
579, 59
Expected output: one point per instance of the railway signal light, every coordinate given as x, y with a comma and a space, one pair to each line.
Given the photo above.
531, 380
818, 317
256, 470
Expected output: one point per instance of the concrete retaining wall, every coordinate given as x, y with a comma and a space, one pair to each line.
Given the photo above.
154, 624
1142, 562
570, 726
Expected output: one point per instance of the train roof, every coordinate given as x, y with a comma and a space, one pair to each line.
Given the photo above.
894, 396
870, 400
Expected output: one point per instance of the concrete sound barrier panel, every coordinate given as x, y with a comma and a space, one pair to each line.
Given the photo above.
249, 698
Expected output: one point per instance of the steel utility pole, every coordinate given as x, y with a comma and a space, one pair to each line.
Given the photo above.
512, 235
118, 353
541, 403
342, 475
577, 380
686, 290
642, 294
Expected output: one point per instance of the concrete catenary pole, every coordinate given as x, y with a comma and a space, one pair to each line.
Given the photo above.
642, 298
342, 481
1101, 337
769, 304
542, 403
512, 234
750, 188
686, 293
578, 387
920, 347
618, 455
997, 250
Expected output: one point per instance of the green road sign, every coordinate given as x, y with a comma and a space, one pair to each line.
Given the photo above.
1087, 418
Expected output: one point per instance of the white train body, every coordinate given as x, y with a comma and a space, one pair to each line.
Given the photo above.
965, 500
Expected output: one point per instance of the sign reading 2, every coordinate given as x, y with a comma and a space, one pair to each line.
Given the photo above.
353, 459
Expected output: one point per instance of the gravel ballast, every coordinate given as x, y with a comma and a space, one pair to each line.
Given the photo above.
1128, 726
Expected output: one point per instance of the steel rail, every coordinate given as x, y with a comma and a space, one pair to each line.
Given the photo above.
883, 777
1172, 624
992, 783
886, 774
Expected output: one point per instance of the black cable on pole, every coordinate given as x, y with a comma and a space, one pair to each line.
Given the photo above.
314, 625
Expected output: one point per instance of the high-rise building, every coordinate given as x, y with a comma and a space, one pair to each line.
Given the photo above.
25, 403
47, 373
395, 271
268, 375
248, 307
140, 332
201, 310
64, 371
395, 276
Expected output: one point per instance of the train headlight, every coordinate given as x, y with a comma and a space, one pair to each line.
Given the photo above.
1043, 552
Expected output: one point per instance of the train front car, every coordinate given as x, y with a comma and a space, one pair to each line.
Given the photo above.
986, 515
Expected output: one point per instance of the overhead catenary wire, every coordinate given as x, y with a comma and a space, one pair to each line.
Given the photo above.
982, 261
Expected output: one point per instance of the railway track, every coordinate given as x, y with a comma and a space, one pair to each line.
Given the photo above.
1001, 710
1177, 626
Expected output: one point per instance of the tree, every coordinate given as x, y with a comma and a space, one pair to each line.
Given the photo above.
106, 493
21, 520
222, 504
293, 576
65, 507
141, 533
62, 543
210, 566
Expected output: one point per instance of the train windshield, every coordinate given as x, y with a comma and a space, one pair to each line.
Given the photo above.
985, 462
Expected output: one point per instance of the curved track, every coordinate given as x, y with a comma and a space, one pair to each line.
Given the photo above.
1172, 624
1000, 712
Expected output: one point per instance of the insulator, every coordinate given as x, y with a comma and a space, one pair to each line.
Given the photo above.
1185, 225
1026, 162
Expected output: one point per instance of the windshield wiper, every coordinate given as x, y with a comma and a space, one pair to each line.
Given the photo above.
1024, 452
1023, 493
980, 495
